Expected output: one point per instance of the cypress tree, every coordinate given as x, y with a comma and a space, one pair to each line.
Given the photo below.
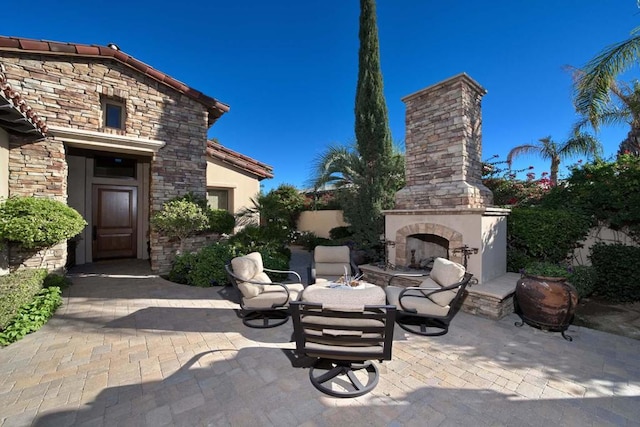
373, 136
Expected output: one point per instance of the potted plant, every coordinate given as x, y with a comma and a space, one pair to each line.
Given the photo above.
544, 299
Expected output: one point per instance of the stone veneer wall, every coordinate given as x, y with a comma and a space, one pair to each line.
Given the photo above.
67, 92
444, 147
38, 169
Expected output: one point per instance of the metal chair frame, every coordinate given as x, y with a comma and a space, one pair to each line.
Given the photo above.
269, 317
342, 368
412, 321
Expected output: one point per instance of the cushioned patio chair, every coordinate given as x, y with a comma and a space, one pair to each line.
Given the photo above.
344, 329
263, 303
428, 309
329, 263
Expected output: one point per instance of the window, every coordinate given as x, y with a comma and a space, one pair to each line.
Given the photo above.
113, 113
114, 167
218, 199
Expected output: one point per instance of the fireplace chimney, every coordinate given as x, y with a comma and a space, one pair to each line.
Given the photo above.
444, 147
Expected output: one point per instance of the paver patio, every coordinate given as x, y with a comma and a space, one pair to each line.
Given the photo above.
134, 349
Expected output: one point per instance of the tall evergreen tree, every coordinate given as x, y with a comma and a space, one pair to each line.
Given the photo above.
373, 136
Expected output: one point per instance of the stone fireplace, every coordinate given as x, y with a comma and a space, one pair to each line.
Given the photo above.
444, 207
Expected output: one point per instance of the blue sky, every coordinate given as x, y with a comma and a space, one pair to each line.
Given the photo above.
288, 68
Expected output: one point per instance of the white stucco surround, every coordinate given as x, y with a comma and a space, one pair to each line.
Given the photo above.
482, 229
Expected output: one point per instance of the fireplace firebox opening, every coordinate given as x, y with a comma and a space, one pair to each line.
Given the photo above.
422, 249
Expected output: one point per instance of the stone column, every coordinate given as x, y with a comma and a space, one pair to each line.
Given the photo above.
444, 147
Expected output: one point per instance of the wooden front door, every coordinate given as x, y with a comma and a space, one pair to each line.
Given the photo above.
114, 221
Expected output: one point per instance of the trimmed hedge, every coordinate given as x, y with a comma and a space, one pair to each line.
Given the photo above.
17, 289
537, 234
617, 274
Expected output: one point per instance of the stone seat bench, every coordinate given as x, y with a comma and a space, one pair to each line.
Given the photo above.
493, 299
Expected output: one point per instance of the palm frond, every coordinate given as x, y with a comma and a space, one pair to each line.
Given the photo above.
521, 150
593, 86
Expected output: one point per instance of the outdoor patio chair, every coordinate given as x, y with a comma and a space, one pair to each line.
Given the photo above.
343, 329
428, 309
263, 303
329, 263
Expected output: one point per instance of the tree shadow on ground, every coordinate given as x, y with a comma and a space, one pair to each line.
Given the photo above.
258, 386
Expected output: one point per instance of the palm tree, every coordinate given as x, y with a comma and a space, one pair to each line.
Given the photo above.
621, 108
594, 84
550, 150
341, 166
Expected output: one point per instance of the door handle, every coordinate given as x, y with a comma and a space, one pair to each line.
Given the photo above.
95, 232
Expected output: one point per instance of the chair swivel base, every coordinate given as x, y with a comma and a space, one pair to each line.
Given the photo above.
344, 378
264, 319
423, 326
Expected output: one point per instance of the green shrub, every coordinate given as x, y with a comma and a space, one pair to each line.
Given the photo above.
536, 234
32, 316
221, 221
52, 279
17, 289
181, 267
616, 266
583, 278
37, 223
208, 266
604, 191
342, 232
180, 219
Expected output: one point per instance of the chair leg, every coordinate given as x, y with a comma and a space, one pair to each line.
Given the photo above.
264, 319
423, 326
343, 378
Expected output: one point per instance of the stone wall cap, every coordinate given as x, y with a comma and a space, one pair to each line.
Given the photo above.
486, 211
462, 76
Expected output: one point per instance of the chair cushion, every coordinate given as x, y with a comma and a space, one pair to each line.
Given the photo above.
441, 298
331, 254
273, 294
246, 267
250, 267
446, 273
347, 297
332, 269
424, 306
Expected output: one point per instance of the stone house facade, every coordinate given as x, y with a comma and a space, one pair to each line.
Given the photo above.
121, 140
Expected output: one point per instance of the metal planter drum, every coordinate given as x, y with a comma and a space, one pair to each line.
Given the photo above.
548, 303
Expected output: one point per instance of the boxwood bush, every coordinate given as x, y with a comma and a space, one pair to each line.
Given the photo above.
17, 289
617, 275
37, 223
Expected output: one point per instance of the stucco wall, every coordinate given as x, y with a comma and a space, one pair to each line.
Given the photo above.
599, 234
320, 222
67, 91
243, 186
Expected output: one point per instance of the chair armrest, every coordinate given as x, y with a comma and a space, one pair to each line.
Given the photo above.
284, 271
431, 291
255, 282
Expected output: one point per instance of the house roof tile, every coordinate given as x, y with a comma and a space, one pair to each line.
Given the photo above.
217, 151
17, 114
17, 44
